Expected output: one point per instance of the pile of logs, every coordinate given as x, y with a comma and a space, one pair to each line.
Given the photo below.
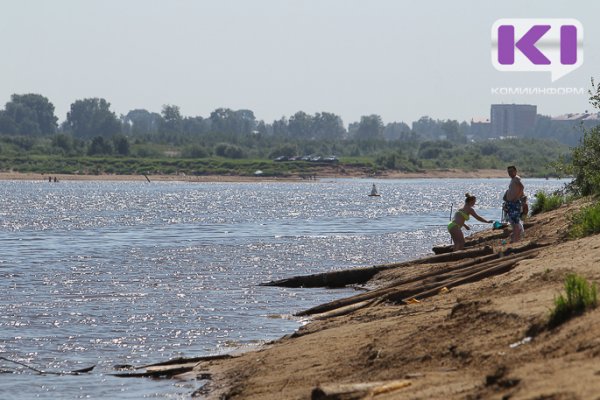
465, 266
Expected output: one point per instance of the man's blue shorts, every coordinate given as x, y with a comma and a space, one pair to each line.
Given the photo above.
513, 211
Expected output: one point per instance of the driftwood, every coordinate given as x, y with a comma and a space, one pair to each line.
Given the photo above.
336, 279
40, 372
428, 283
344, 310
169, 368
164, 372
472, 275
175, 361
186, 360
351, 391
322, 308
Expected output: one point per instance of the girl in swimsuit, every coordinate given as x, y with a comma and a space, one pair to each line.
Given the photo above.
460, 217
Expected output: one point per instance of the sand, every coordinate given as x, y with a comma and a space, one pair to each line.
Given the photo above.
485, 339
322, 174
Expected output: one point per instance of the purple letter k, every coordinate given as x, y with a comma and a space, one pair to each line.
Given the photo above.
506, 44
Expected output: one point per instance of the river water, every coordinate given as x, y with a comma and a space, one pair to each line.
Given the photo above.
106, 273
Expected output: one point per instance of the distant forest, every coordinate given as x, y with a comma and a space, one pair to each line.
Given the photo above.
29, 127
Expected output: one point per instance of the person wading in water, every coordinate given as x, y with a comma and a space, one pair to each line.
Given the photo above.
458, 222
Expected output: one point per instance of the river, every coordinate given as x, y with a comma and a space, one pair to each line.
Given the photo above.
105, 273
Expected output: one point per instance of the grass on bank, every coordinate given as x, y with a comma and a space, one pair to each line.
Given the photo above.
166, 165
547, 202
579, 297
586, 222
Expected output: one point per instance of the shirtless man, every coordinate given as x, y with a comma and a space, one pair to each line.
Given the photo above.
512, 197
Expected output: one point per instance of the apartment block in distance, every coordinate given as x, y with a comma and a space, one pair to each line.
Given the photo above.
512, 120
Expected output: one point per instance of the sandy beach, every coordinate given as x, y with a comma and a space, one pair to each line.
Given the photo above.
463, 325
324, 173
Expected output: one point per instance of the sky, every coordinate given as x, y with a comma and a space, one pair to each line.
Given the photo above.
399, 59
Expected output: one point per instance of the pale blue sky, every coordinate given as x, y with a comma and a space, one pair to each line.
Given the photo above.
398, 59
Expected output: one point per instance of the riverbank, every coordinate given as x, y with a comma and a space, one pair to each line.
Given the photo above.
321, 174
466, 326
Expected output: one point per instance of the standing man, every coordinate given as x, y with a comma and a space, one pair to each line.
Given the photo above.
512, 197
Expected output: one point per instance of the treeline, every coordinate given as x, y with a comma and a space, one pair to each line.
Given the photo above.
28, 126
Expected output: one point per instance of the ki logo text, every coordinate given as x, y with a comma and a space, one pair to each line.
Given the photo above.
552, 45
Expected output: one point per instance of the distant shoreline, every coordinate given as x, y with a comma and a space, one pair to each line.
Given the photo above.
446, 173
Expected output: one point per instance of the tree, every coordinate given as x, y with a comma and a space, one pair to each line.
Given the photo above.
280, 127
194, 126
142, 122
398, 131
427, 128
370, 127
585, 163
28, 114
100, 146
451, 129
328, 126
221, 120
263, 129
121, 145
172, 121
229, 150
245, 122
300, 125
92, 117
228, 121
64, 142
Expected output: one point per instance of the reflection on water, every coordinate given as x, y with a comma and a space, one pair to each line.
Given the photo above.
105, 273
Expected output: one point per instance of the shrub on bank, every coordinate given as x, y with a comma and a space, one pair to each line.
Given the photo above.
546, 202
586, 222
579, 297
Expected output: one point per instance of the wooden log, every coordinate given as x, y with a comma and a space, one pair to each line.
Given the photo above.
336, 279
163, 372
442, 275
335, 304
184, 360
503, 266
352, 391
343, 310
429, 274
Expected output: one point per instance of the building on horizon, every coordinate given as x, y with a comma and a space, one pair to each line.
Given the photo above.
481, 127
512, 120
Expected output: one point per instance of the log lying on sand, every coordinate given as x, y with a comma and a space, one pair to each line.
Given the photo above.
337, 279
170, 368
351, 391
472, 275
333, 305
175, 361
164, 372
428, 283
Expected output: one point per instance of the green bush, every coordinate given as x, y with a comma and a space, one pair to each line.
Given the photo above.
547, 202
579, 297
586, 222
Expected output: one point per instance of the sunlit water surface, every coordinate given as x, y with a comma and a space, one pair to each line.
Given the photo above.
106, 273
